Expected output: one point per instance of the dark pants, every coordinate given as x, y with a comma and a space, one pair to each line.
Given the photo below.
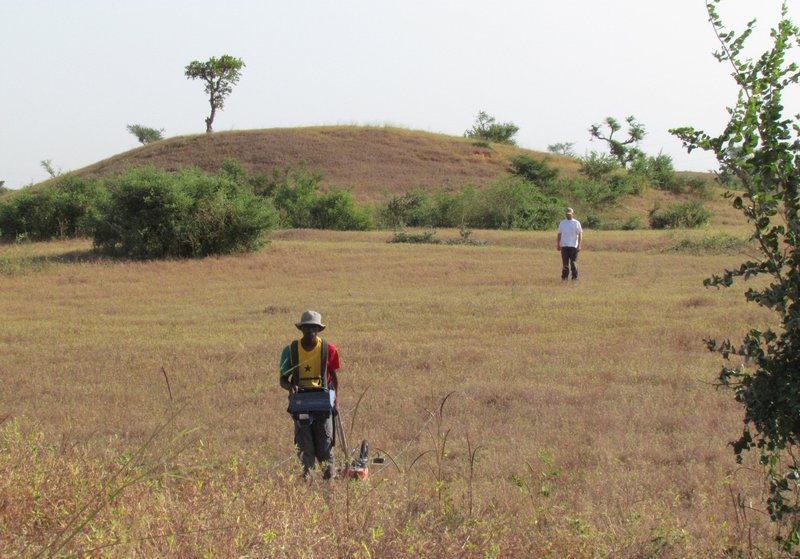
569, 255
313, 438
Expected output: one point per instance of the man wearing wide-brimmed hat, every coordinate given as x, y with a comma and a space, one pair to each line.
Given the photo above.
568, 243
308, 364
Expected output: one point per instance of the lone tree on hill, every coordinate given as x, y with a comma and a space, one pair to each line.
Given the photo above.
144, 134
761, 147
624, 151
562, 148
486, 128
220, 75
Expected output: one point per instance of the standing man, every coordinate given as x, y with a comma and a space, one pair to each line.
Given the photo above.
303, 366
570, 234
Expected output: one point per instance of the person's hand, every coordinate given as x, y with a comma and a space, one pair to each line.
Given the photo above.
294, 389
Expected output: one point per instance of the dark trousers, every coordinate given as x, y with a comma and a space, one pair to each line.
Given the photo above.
569, 255
313, 438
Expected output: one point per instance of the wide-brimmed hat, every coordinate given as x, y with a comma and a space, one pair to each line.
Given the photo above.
311, 317
569, 211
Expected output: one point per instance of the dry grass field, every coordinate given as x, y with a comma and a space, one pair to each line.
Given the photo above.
520, 417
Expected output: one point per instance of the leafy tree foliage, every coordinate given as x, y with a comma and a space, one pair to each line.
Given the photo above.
219, 75
624, 151
144, 134
761, 147
487, 128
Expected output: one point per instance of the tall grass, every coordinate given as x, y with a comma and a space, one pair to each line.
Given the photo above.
579, 420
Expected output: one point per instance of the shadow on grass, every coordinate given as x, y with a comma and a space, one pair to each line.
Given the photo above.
77, 257
20, 260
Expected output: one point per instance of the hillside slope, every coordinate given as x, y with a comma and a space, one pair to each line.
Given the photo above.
374, 162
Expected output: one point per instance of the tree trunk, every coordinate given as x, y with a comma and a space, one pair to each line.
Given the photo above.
210, 119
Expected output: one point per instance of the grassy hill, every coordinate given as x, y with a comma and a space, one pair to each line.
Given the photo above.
372, 161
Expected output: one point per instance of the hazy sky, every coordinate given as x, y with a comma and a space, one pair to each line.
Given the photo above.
77, 72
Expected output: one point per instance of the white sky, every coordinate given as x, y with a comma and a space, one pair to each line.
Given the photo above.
77, 72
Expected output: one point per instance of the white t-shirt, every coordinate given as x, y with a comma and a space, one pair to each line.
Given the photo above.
569, 229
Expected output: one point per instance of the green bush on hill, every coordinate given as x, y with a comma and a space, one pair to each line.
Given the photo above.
486, 128
534, 170
598, 166
659, 170
151, 213
296, 195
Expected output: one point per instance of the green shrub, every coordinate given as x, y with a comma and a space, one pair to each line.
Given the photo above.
633, 223
629, 184
598, 166
586, 191
510, 203
415, 208
592, 221
690, 214
29, 214
514, 204
338, 210
534, 170
428, 237
152, 213
234, 170
695, 186
63, 210
456, 210
293, 193
659, 171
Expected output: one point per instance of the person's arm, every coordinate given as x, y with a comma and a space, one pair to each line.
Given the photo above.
580, 237
333, 369
558, 241
285, 371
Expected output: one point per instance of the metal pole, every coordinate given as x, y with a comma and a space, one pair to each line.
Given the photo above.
338, 426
